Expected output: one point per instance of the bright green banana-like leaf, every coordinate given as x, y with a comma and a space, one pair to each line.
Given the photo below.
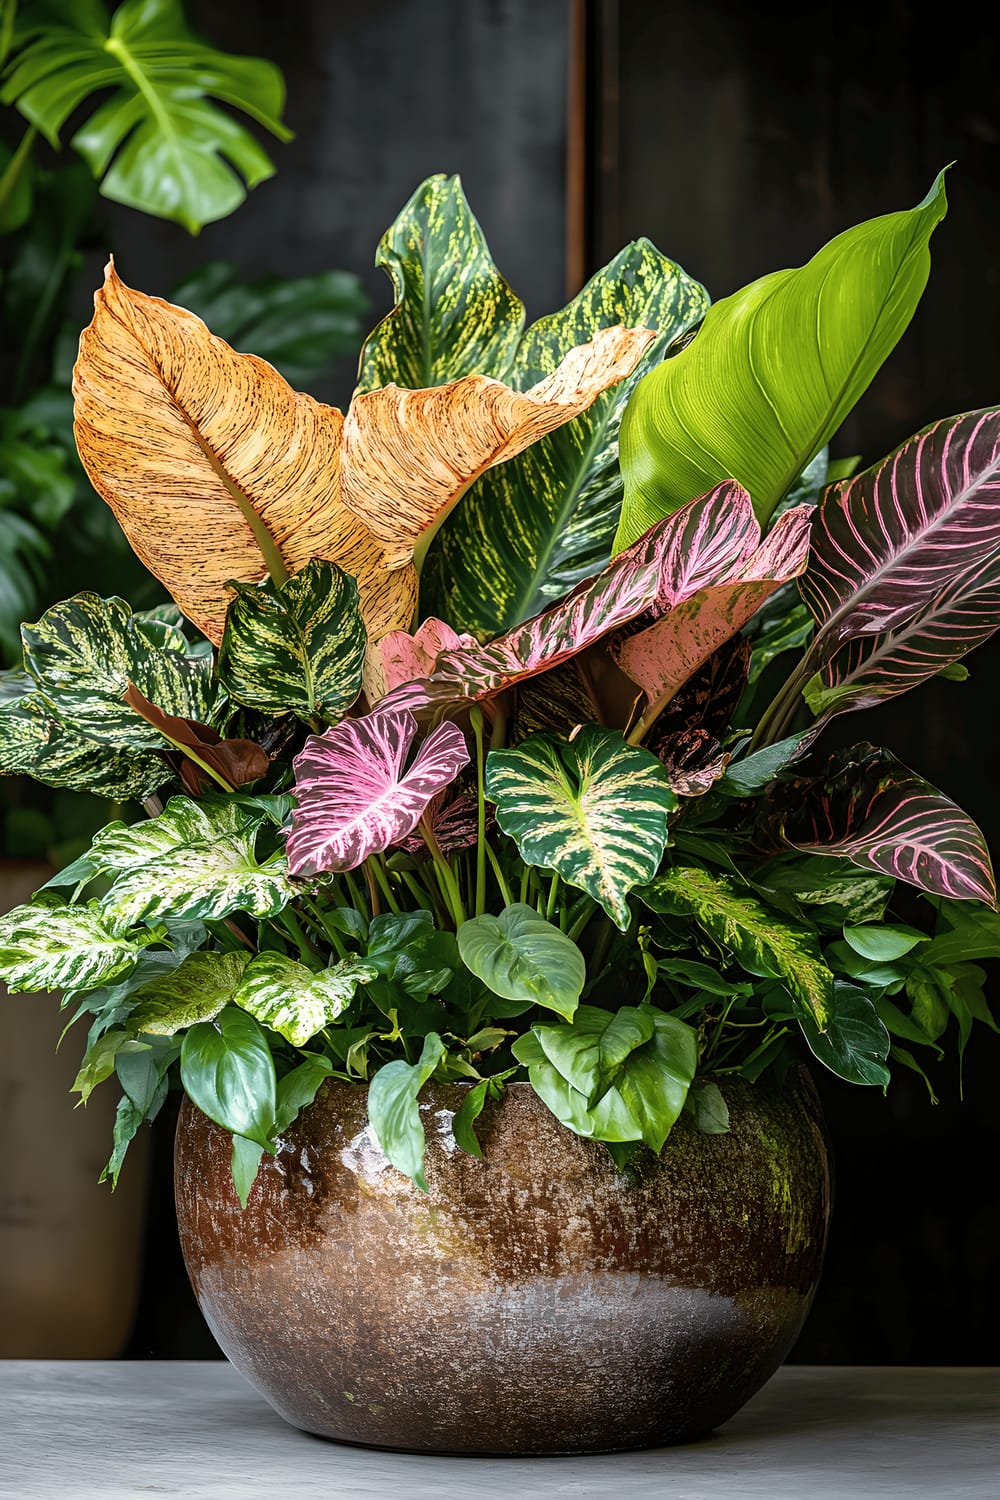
156, 141
774, 370
529, 530
594, 809
454, 314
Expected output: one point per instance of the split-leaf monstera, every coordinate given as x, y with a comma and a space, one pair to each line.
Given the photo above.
433, 786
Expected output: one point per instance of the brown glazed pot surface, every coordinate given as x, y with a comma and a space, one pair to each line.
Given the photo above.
537, 1301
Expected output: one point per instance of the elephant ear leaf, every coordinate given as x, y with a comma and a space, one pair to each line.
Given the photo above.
774, 370
561, 496
877, 812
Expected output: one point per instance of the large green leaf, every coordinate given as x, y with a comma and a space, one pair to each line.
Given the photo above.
227, 1070
195, 991
156, 141
590, 1051
295, 1001
610, 1119
655, 1079
394, 1112
854, 1043
46, 945
530, 529
454, 314
764, 942
84, 652
295, 649
594, 809
520, 956
33, 743
774, 370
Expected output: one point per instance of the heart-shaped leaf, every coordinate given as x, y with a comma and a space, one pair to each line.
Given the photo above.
594, 809
591, 1050
610, 1119
195, 991
395, 1114
355, 795
227, 1070
48, 946
295, 1001
854, 1044
655, 1079
520, 956
774, 370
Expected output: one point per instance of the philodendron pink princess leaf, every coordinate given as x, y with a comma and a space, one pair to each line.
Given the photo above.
355, 794
877, 812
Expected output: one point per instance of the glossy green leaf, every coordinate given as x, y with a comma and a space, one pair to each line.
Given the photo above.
595, 809
520, 956
655, 1079
842, 891
295, 649
395, 1114
143, 1074
774, 370
763, 941
754, 772
590, 1051
854, 1043
195, 991
127, 1121
34, 743
295, 1001
227, 1070
454, 314
709, 1108
883, 944
559, 500
465, 1116
100, 1058
246, 1161
48, 946
299, 1087
609, 1120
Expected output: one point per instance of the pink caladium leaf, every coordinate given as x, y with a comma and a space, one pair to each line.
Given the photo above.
355, 795
406, 657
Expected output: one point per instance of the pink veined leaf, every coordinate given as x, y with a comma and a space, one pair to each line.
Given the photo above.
877, 812
454, 824
354, 796
407, 657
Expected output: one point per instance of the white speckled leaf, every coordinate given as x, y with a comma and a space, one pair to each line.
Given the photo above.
295, 1001
48, 946
196, 991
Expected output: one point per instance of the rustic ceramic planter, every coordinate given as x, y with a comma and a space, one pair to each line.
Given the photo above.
534, 1302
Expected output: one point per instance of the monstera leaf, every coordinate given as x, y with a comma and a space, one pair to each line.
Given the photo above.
354, 796
560, 498
294, 1001
156, 141
48, 946
871, 808
774, 370
454, 314
594, 809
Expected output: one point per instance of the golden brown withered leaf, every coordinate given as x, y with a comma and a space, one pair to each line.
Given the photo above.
214, 467
409, 455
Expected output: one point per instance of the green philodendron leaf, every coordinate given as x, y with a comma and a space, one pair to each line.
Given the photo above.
609, 1120
559, 500
395, 1114
755, 772
156, 141
84, 652
655, 1079
757, 937
295, 649
127, 1121
594, 809
299, 1087
34, 743
520, 956
591, 1050
774, 370
454, 314
142, 1074
709, 1109
227, 1070
99, 1061
195, 991
883, 944
196, 860
48, 946
297, 1002
854, 1043
245, 1165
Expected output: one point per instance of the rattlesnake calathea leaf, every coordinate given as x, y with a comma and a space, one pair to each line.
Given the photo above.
761, 940
195, 991
594, 809
295, 649
196, 860
46, 945
295, 1001
84, 652
33, 743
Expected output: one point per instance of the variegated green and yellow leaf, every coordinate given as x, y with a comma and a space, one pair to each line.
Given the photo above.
49, 946
296, 649
33, 743
763, 941
195, 991
295, 1001
455, 315
529, 530
594, 809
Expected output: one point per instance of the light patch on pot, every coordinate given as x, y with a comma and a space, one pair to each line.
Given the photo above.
365, 1158
442, 1128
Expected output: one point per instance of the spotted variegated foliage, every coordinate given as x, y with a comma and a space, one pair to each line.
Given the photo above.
877, 812
296, 649
356, 795
404, 657
297, 1002
45, 945
84, 652
33, 743
560, 498
195, 991
455, 315
763, 940
594, 809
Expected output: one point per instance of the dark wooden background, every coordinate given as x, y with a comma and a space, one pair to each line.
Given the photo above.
739, 138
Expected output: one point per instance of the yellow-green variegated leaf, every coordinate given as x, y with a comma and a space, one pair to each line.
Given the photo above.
296, 649
195, 991
33, 743
196, 860
773, 371
454, 314
529, 530
214, 467
764, 941
594, 809
295, 1001
46, 945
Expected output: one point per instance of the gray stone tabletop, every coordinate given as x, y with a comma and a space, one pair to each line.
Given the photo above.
126, 1430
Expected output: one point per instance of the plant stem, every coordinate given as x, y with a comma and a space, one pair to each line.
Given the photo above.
550, 905
525, 885
508, 899
308, 951
777, 717
445, 874
580, 922
330, 933
16, 165
422, 893
373, 901
375, 860
602, 945
476, 720
354, 893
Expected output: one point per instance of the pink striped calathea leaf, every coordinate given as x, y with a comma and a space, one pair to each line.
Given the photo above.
869, 807
454, 823
405, 657
356, 796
